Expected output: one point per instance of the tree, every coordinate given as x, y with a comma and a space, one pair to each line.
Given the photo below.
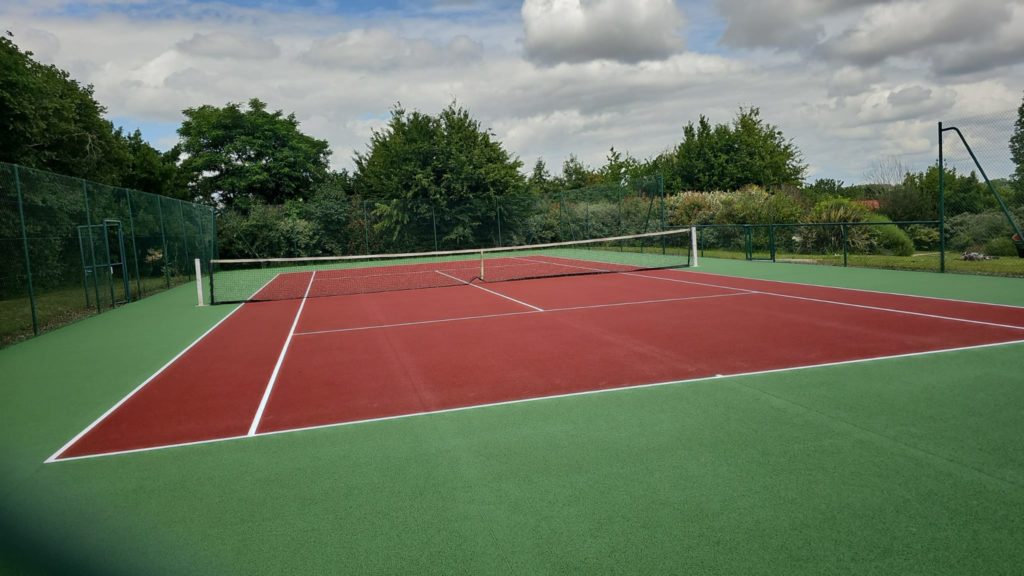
50, 121
730, 156
576, 174
230, 153
440, 172
619, 169
1017, 151
146, 169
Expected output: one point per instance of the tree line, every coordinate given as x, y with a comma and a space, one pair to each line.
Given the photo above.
421, 177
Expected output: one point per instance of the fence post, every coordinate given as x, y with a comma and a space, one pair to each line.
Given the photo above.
163, 240
846, 244
497, 215
433, 220
92, 245
366, 227
184, 237
24, 244
135, 247
661, 192
942, 206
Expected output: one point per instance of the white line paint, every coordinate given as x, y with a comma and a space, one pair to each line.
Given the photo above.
520, 302
833, 302
280, 360
563, 264
523, 313
569, 395
850, 289
140, 387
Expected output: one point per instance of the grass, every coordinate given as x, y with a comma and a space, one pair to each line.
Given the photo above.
904, 466
56, 307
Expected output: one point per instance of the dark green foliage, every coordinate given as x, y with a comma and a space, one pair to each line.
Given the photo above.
423, 171
1017, 151
730, 156
907, 202
972, 231
822, 188
888, 240
924, 237
233, 154
51, 122
149, 170
576, 175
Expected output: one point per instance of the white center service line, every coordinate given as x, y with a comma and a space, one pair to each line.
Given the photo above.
280, 361
523, 313
520, 302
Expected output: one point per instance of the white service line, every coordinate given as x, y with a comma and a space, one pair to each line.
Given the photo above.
520, 302
523, 313
280, 360
834, 302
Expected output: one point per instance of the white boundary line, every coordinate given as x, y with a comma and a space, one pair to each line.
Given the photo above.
851, 289
140, 386
557, 396
147, 380
785, 282
520, 302
523, 313
805, 298
280, 360
835, 302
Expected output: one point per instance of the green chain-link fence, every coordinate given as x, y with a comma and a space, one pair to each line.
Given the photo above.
983, 207
521, 217
72, 248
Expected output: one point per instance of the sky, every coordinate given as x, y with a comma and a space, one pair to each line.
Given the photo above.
856, 84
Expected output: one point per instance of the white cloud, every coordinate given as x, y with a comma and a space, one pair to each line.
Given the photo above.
341, 74
227, 45
379, 49
560, 31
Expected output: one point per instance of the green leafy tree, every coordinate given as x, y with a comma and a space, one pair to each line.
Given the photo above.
50, 121
576, 174
619, 169
1017, 152
232, 153
445, 172
149, 170
749, 151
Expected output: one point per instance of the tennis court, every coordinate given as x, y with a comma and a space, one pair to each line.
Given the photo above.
312, 348
865, 421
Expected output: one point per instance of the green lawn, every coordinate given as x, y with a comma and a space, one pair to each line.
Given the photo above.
56, 307
903, 466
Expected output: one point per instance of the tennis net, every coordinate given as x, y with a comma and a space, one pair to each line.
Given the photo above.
246, 280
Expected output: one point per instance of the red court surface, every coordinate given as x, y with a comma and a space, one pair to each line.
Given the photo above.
308, 362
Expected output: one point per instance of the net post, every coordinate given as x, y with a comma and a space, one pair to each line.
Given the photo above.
199, 282
694, 261
481, 265
942, 205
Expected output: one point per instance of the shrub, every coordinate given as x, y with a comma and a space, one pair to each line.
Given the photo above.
889, 240
924, 237
1001, 246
